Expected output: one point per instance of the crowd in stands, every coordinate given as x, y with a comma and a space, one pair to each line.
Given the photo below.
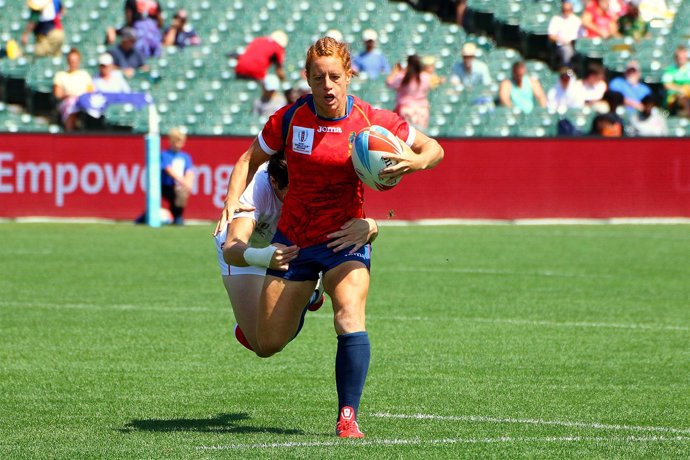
143, 34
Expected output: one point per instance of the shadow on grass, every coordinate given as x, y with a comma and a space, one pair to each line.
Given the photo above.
221, 423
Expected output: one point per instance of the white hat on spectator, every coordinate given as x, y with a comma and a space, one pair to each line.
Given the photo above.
428, 61
37, 5
105, 59
271, 83
370, 35
334, 34
280, 38
469, 49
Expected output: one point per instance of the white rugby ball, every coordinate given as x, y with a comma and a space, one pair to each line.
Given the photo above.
369, 145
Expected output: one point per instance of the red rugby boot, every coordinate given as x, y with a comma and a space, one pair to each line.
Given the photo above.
347, 426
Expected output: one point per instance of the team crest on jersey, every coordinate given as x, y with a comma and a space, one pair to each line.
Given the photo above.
351, 141
302, 139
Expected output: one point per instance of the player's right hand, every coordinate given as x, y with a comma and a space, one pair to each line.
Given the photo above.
282, 256
229, 210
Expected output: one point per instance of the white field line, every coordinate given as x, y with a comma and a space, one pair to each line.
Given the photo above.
89, 306
538, 222
527, 421
525, 322
490, 271
416, 441
327, 316
577, 324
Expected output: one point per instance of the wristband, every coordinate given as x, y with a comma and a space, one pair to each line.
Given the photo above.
259, 257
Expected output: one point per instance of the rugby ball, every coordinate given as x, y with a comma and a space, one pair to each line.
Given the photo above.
369, 146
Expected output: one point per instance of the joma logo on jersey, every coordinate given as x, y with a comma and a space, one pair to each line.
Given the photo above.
329, 129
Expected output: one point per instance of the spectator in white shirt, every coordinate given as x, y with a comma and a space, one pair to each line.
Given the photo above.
109, 79
567, 93
563, 30
648, 121
594, 84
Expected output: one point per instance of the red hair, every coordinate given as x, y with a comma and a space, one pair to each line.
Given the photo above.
328, 46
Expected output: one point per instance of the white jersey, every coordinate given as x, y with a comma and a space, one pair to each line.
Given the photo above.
267, 207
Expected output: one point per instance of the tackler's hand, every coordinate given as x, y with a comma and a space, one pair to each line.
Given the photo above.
283, 256
229, 210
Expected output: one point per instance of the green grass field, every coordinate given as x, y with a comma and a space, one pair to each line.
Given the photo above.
487, 341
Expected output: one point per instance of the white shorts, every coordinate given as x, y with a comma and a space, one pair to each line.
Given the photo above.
231, 270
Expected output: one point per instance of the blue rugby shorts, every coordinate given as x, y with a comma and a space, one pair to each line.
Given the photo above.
317, 258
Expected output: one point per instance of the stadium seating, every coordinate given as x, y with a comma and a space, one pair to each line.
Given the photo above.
196, 86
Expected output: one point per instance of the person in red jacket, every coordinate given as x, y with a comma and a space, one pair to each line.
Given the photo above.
260, 54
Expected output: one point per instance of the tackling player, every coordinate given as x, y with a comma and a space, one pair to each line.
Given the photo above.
316, 133
245, 252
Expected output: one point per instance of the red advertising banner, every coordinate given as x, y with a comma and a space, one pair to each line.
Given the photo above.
104, 176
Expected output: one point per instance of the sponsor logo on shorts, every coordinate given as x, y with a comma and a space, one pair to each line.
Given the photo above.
329, 129
364, 253
302, 139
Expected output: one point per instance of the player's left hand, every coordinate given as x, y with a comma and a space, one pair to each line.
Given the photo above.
354, 234
405, 163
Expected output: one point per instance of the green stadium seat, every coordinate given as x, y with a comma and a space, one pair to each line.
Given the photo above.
183, 81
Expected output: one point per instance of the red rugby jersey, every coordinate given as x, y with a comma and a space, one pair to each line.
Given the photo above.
324, 190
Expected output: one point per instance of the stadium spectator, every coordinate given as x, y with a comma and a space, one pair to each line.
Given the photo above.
68, 86
612, 106
109, 79
45, 24
567, 93
631, 87
412, 86
370, 63
648, 121
471, 72
146, 17
607, 125
429, 67
563, 30
125, 56
180, 33
632, 25
676, 79
325, 195
598, 21
520, 91
260, 54
271, 98
177, 175
594, 84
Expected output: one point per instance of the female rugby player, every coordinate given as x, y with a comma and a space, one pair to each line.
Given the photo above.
250, 233
316, 133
